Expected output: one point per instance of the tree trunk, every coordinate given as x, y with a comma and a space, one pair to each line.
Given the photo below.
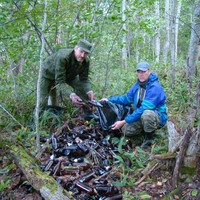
58, 28
191, 156
157, 38
178, 11
167, 38
37, 111
194, 93
172, 41
174, 137
175, 13
124, 39
40, 181
194, 46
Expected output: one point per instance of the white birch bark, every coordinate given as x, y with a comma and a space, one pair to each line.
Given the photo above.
167, 38
194, 45
175, 13
124, 39
157, 38
192, 154
173, 40
39, 78
178, 11
137, 54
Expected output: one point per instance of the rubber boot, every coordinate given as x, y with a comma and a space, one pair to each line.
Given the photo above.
148, 139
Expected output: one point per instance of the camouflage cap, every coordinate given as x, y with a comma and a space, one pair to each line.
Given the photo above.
85, 45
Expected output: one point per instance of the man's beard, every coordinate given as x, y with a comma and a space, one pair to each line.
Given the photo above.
80, 60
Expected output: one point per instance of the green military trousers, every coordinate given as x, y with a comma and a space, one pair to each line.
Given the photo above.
148, 123
48, 91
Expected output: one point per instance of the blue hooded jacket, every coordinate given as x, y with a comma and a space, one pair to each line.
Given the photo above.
154, 99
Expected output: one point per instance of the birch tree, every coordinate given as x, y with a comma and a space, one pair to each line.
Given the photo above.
191, 67
157, 38
189, 143
124, 39
194, 93
178, 11
167, 31
175, 14
39, 78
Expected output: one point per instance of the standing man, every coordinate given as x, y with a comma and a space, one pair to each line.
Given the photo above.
148, 99
67, 72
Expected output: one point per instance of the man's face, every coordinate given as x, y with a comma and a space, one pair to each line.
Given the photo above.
143, 76
80, 55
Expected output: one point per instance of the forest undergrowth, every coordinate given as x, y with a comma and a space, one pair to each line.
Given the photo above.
142, 176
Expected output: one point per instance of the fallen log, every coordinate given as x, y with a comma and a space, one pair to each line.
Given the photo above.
40, 181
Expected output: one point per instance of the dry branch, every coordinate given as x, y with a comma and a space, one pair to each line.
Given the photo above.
166, 156
150, 167
153, 164
180, 157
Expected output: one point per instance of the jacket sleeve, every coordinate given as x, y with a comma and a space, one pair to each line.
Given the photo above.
135, 116
123, 100
64, 90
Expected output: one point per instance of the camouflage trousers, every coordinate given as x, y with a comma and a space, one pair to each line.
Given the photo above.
148, 123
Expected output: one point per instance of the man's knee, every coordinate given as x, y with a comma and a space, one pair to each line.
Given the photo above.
147, 114
131, 129
150, 120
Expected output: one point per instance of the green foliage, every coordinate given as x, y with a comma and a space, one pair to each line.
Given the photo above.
139, 195
50, 118
128, 162
194, 192
17, 99
188, 170
5, 182
101, 23
6, 169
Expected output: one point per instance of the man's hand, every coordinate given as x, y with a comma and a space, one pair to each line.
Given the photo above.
118, 124
90, 95
76, 100
103, 100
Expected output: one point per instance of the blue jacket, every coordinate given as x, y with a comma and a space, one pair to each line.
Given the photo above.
154, 100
